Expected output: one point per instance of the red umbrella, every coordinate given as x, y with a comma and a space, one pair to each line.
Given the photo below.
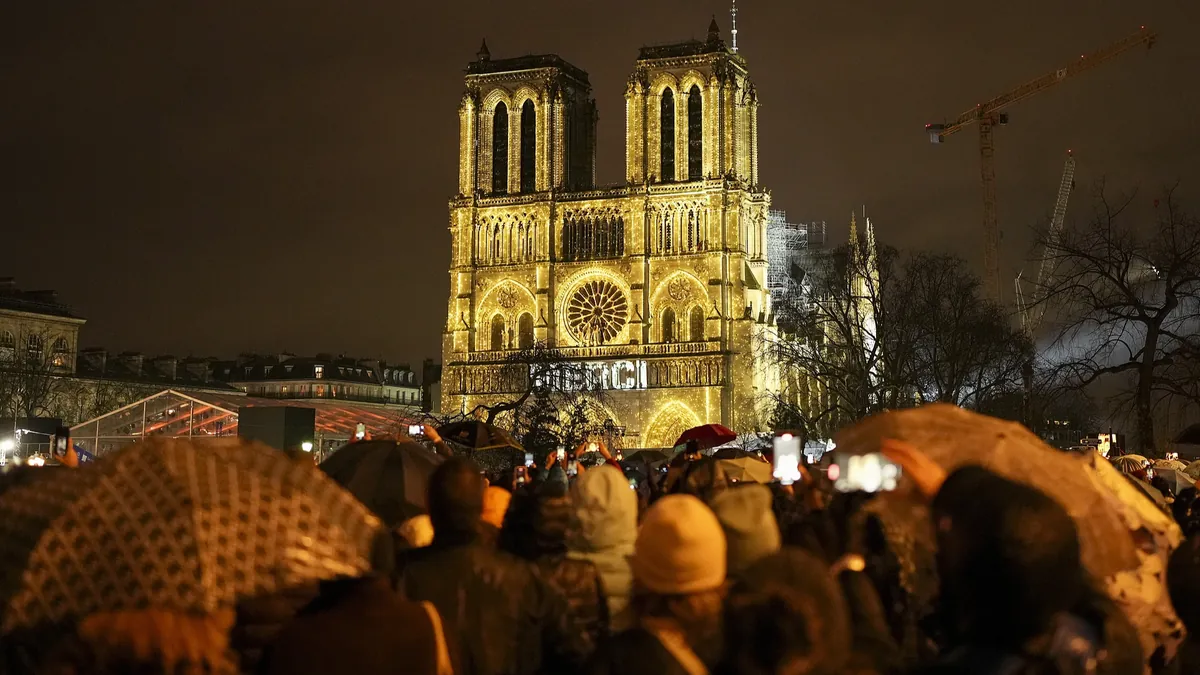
707, 436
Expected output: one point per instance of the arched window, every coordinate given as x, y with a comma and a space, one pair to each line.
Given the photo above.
62, 352
668, 233
666, 140
497, 333
695, 135
691, 231
528, 147
568, 242
662, 228
35, 347
620, 236
500, 148
496, 244
668, 325
602, 238
696, 324
525, 331
521, 241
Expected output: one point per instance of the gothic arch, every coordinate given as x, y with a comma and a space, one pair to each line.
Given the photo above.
672, 419
692, 78
577, 281
695, 291
526, 93
496, 95
661, 81
507, 292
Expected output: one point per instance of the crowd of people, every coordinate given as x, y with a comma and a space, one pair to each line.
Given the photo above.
679, 571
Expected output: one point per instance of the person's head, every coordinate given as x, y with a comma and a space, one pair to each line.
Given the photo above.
1183, 583
416, 532
704, 479
495, 505
147, 642
749, 524
536, 525
786, 615
678, 567
605, 511
455, 499
1008, 557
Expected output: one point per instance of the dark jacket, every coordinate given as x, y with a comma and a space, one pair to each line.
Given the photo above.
535, 529
633, 652
260, 619
356, 626
506, 618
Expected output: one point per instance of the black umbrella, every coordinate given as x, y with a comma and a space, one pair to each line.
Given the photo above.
649, 457
386, 476
1189, 436
734, 453
476, 435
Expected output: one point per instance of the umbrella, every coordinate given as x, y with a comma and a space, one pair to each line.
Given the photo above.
389, 477
747, 469
953, 437
734, 453
1178, 480
649, 457
706, 436
1149, 491
1193, 470
1129, 463
1161, 465
1189, 436
476, 435
177, 525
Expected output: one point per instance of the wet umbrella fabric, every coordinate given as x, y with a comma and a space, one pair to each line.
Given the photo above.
388, 477
954, 437
706, 436
175, 525
1178, 480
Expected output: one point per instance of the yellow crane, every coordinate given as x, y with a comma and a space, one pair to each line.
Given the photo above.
987, 115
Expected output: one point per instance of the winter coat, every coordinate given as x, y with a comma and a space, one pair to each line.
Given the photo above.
635, 652
604, 527
535, 529
260, 620
356, 626
506, 618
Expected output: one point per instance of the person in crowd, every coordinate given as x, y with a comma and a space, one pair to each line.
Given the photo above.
509, 621
786, 614
703, 478
751, 532
603, 530
1011, 577
1183, 585
495, 505
678, 569
535, 530
361, 626
415, 532
146, 642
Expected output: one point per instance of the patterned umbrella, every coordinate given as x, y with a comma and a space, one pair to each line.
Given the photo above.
175, 525
954, 437
476, 435
388, 477
1129, 463
1161, 465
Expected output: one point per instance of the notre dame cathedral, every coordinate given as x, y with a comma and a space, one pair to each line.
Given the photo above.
657, 285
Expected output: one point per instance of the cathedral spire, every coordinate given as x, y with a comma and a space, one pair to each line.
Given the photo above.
483, 53
733, 30
714, 31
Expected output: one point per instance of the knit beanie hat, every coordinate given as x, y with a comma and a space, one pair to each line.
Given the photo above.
680, 548
751, 532
495, 505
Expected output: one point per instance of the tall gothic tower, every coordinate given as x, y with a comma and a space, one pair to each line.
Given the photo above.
659, 284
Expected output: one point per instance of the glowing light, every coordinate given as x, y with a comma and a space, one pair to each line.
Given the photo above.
7, 445
36, 460
834, 471
306, 446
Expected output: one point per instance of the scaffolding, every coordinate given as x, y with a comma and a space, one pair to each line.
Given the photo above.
789, 248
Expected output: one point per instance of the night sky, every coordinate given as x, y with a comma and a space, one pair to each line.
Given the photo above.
224, 176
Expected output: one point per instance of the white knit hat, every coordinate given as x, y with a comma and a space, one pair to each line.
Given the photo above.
680, 548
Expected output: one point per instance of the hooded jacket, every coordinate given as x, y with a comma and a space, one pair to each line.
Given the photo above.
604, 528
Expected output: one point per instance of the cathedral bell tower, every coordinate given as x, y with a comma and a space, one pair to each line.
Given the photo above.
526, 124
691, 114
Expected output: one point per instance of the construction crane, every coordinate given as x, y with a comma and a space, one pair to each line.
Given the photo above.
987, 115
1033, 313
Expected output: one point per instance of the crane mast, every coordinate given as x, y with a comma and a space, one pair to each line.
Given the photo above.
987, 116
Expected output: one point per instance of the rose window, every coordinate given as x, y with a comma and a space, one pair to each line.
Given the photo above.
596, 312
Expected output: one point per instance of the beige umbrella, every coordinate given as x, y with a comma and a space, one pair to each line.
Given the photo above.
954, 437
1169, 465
1129, 463
747, 469
1193, 469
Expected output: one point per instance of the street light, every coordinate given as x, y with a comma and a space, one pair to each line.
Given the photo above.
7, 445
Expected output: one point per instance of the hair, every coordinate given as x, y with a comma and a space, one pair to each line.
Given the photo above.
147, 642
697, 616
455, 498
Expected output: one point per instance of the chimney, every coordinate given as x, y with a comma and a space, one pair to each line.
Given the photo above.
201, 369
93, 359
165, 366
132, 361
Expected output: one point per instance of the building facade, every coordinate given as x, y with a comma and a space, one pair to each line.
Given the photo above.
37, 332
323, 377
659, 284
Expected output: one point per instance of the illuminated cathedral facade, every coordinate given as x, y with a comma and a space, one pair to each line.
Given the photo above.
658, 285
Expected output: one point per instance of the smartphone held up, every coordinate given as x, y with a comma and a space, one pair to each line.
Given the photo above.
786, 465
871, 472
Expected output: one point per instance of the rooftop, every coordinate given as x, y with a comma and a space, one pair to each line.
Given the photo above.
34, 302
527, 62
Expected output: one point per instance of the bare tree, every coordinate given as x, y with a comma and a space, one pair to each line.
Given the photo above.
27, 378
1127, 299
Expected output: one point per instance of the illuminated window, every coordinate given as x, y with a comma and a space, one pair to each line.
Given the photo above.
525, 331
696, 324
695, 135
528, 147
318, 373
8, 345
62, 352
666, 140
500, 148
35, 347
668, 325
497, 332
